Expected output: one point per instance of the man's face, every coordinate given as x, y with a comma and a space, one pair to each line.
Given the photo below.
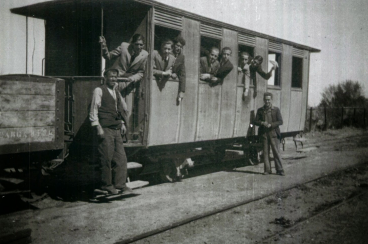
178, 48
255, 63
138, 46
268, 101
244, 60
111, 79
166, 50
226, 55
213, 56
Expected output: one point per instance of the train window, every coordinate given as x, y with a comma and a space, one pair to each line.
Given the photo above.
297, 73
207, 43
162, 33
275, 79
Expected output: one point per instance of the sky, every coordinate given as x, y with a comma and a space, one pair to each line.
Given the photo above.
339, 28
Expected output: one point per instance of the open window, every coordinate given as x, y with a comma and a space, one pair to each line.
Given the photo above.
162, 33
207, 44
297, 73
275, 79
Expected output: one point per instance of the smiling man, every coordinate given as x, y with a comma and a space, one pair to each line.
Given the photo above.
163, 60
225, 67
269, 119
209, 65
130, 58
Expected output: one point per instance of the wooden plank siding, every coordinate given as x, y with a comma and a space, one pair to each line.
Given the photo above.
295, 111
305, 90
164, 119
244, 111
209, 101
27, 102
286, 64
189, 105
31, 113
228, 91
27, 119
26, 88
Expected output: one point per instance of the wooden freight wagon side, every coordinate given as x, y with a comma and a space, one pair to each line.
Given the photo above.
31, 113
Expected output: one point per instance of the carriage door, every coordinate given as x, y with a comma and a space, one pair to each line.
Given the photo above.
121, 21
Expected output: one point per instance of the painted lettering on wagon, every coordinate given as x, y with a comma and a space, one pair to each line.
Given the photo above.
24, 133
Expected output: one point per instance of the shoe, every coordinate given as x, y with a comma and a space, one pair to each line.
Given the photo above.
110, 189
124, 189
281, 173
266, 173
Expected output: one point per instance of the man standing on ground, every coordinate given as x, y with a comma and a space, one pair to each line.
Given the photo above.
269, 119
108, 116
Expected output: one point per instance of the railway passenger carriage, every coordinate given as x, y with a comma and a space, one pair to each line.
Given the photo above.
209, 119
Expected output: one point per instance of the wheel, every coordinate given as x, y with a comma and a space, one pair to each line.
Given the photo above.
168, 171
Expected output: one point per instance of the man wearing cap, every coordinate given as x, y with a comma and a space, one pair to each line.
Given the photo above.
269, 119
108, 116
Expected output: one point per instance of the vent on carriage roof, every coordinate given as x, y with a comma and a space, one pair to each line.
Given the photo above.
275, 46
298, 52
168, 20
209, 30
246, 39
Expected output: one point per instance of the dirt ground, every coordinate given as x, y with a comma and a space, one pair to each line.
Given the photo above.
297, 214
294, 213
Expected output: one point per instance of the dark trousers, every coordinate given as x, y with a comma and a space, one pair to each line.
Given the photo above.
273, 142
112, 159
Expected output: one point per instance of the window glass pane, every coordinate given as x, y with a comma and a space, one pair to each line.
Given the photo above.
297, 73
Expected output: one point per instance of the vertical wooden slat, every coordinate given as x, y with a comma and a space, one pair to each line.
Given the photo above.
189, 105
305, 89
286, 64
295, 111
228, 93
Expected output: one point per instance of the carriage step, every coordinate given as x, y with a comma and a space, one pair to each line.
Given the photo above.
308, 149
137, 184
134, 165
300, 139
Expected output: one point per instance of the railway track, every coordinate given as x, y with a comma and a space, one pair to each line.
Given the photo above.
153, 236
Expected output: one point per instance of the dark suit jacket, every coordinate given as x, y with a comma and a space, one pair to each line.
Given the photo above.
179, 69
123, 55
276, 121
207, 68
159, 64
224, 70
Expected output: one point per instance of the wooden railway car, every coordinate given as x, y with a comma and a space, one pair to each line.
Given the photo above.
209, 119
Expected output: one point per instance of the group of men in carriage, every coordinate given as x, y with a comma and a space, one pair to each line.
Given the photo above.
109, 112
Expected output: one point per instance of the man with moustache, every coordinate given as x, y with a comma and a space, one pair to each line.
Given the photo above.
108, 116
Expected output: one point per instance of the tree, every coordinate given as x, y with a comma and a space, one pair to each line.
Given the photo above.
341, 102
346, 94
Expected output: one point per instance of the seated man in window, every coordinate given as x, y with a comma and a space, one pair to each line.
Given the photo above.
244, 72
130, 60
209, 65
225, 67
163, 61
